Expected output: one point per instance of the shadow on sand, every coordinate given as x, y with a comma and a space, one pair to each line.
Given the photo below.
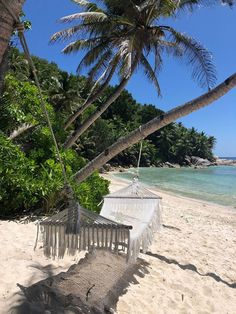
192, 268
91, 286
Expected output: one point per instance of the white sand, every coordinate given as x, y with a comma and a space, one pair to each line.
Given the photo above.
191, 267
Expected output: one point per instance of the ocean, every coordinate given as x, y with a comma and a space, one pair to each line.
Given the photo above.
213, 184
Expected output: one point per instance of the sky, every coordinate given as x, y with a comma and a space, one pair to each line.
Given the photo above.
214, 27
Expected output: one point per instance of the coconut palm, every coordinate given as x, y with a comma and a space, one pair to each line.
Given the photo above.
64, 93
123, 37
154, 125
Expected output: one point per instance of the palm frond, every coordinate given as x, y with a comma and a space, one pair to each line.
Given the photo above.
105, 77
21, 129
125, 54
101, 63
168, 7
148, 70
198, 57
90, 6
146, 4
158, 59
190, 5
80, 45
85, 16
66, 33
93, 54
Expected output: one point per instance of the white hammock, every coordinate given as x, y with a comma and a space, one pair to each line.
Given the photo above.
136, 206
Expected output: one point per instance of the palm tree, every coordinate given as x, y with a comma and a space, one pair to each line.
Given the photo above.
64, 94
154, 125
120, 39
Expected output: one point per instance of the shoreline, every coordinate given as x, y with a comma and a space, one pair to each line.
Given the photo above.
115, 180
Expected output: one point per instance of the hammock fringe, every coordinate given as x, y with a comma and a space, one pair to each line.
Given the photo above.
99, 233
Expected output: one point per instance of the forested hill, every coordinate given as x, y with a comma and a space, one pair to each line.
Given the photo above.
28, 166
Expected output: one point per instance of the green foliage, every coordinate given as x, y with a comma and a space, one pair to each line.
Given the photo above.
30, 174
26, 185
90, 192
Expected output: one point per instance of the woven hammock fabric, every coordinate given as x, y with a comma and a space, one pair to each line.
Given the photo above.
90, 231
136, 206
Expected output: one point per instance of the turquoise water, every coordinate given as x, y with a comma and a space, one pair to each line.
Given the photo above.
214, 184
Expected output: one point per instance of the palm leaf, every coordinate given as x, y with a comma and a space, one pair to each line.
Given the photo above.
101, 49
106, 75
198, 57
190, 5
101, 63
150, 73
67, 33
21, 129
88, 5
80, 45
85, 16
125, 54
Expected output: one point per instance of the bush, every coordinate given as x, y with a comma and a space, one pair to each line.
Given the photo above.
25, 185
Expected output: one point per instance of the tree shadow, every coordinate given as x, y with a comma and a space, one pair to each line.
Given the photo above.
22, 300
65, 292
192, 268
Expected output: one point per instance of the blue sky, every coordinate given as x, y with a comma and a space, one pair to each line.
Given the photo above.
214, 27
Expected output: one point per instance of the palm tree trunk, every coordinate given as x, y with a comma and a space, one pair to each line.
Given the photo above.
73, 138
3, 69
154, 125
7, 23
89, 100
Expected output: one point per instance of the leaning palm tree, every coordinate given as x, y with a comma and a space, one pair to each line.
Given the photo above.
124, 37
154, 125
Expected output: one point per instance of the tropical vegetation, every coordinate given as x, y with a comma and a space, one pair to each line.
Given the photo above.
29, 168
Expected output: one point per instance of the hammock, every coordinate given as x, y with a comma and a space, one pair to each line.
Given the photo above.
136, 206
89, 231
128, 219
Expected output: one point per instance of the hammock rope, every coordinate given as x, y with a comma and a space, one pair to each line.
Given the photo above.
139, 158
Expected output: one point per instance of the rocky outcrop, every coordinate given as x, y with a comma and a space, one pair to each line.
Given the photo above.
225, 162
189, 161
201, 162
170, 165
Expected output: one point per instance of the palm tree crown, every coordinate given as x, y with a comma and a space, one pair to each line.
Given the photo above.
125, 35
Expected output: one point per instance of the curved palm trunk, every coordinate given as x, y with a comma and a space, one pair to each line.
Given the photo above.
7, 23
89, 101
154, 125
73, 138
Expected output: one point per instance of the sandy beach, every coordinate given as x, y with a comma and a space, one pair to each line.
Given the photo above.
189, 268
